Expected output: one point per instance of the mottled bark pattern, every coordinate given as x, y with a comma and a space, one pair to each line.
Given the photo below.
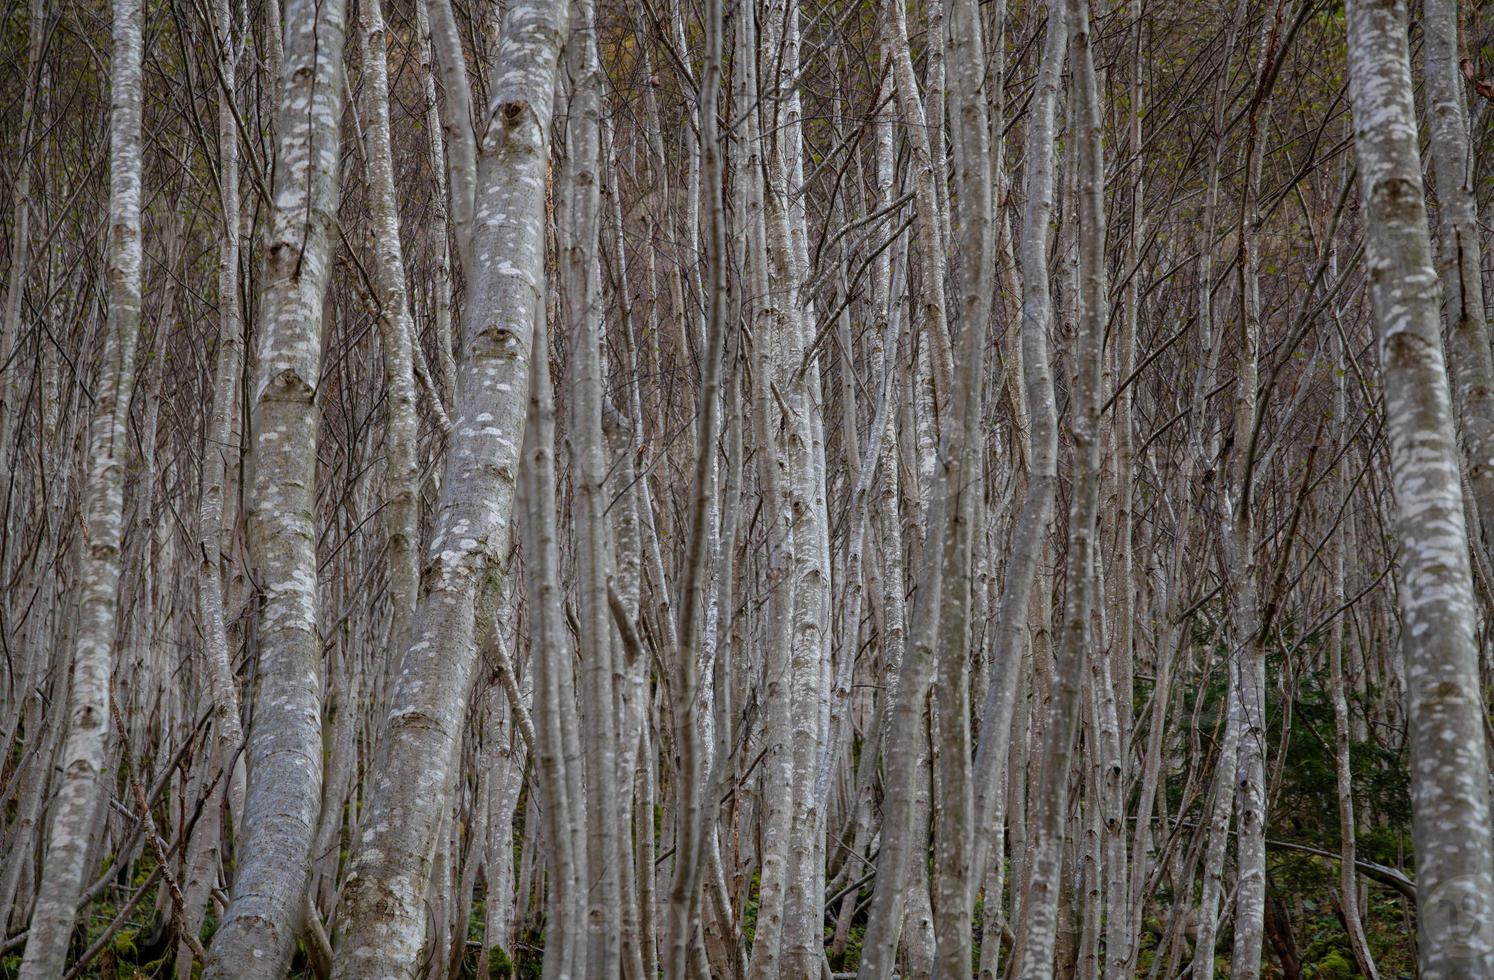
65, 865
263, 922
1449, 765
384, 897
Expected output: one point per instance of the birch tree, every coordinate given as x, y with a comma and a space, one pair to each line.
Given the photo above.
1093, 311
396, 332
580, 236
1460, 254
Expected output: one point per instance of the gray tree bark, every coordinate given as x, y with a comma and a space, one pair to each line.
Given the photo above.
1449, 764
961, 488
579, 233
264, 917
695, 807
1051, 812
1035, 518
383, 899
1460, 257
70, 837
396, 337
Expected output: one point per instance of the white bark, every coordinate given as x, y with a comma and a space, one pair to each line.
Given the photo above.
1034, 521
219, 450
1460, 259
696, 825
961, 488
383, 899
1051, 811
557, 741
396, 336
264, 918
579, 234
20, 252
75, 811
1247, 700
768, 329
1348, 878
1449, 765
457, 126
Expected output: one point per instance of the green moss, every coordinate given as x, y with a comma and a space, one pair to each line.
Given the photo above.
500, 967
1330, 967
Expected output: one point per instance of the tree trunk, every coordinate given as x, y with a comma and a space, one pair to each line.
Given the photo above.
383, 899
1079, 560
263, 922
1449, 793
1460, 261
396, 337
70, 838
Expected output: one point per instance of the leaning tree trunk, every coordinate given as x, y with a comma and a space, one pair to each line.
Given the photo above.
1449, 788
75, 810
383, 904
264, 918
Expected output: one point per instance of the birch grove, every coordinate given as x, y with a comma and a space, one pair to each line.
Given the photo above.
772, 489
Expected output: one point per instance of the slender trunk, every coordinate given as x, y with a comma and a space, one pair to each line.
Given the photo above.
457, 127
20, 253
383, 900
1248, 646
1222, 791
1079, 560
558, 752
70, 839
962, 487
439, 231
1460, 259
396, 337
695, 809
1348, 878
579, 233
768, 323
1035, 518
219, 451
904, 838
1450, 808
